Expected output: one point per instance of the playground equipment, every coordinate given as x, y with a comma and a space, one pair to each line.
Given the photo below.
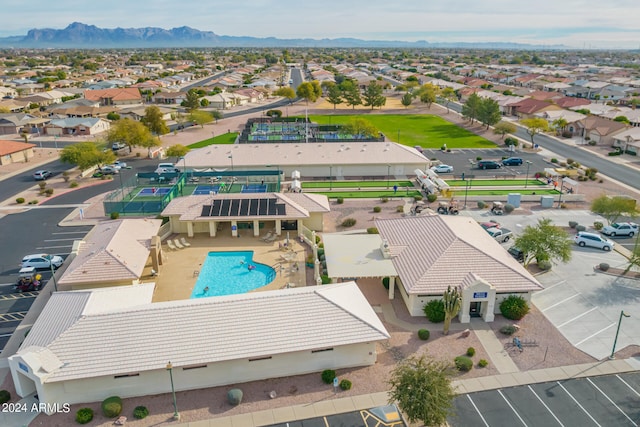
497, 208
448, 208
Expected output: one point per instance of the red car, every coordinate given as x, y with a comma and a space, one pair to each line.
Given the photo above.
490, 224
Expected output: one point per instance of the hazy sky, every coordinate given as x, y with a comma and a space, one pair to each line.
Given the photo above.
574, 23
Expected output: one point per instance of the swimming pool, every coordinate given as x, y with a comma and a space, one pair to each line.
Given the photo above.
228, 273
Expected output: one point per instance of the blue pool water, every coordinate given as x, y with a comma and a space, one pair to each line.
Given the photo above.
228, 273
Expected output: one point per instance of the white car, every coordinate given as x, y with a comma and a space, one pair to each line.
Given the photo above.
593, 240
621, 229
442, 169
39, 261
119, 165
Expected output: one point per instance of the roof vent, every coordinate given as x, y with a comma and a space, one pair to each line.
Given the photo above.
386, 250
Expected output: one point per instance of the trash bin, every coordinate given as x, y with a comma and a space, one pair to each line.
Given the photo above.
514, 199
546, 201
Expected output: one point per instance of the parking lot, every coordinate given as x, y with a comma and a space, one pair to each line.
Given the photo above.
382, 416
607, 401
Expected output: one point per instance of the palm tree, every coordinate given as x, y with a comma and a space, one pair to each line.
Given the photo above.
452, 301
560, 124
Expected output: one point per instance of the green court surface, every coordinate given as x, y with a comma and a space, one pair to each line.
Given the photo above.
369, 194
356, 184
424, 130
494, 192
494, 182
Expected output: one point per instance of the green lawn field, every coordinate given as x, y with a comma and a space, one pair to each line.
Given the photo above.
426, 131
494, 182
225, 138
355, 184
460, 192
368, 194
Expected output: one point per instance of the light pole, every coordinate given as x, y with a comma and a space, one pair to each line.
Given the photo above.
388, 175
467, 184
330, 177
176, 415
53, 273
526, 180
615, 341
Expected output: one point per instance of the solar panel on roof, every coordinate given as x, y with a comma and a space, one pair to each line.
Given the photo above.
272, 207
281, 209
253, 207
215, 208
224, 210
244, 207
206, 210
262, 210
235, 207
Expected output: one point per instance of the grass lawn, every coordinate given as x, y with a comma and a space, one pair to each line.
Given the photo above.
367, 194
356, 184
424, 130
544, 192
494, 182
225, 138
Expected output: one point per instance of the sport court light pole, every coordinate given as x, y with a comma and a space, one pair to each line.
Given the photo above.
526, 180
53, 273
176, 415
388, 175
615, 341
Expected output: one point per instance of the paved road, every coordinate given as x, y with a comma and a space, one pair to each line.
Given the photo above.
606, 401
619, 172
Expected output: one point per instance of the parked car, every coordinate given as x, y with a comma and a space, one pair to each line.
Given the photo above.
118, 165
118, 146
502, 235
488, 164
621, 229
109, 170
517, 253
41, 175
593, 240
39, 261
442, 169
512, 161
489, 224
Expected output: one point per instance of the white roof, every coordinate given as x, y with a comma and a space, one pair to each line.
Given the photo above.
356, 255
206, 330
297, 154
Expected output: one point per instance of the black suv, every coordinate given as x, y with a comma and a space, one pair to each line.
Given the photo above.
516, 253
488, 164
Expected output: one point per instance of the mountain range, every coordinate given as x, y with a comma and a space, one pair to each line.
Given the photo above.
79, 35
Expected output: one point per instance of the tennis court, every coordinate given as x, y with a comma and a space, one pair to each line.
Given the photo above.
254, 188
153, 191
206, 189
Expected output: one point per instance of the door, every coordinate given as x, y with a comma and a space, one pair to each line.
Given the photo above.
474, 308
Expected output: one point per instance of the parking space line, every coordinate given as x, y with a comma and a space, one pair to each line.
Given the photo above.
628, 385
53, 247
593, 335
545, 405
477, 410
552, 286
560, 302
578, 403
60, 240
611, 401
576, 318
512, 408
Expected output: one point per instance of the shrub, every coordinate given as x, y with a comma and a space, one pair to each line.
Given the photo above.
483, 363
66, 176
42, 184
325, 279
434, 310
570, 161
511, 141
432, 198
115, 215
481, 204
234, 396
112, 406
478, 158
399, 209
345, 385
592, 143
384, 199
348, 222
318, 239
508, 330
563, 206
417, 198
508, 208
603, 266
580, 228
423, 334
140, 412
48, 191
443, 148
33, 202
554, 160
20, 200
5, 396
84, 415
385, 282
73, 184
514, 307
372, 230
377, 209
573, 224
463, 363
328, 375
471, 352
340, 200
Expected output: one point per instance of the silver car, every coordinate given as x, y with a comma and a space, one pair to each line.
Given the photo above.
41, 261
593, 240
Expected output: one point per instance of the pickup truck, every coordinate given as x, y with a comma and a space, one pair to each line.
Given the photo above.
502, 235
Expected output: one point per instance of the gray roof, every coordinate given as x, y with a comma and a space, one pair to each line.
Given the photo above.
200, 331
432, 252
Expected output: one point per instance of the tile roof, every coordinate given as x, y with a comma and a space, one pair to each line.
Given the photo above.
116, 94
433, 251
113, 251
208, 330
10, 147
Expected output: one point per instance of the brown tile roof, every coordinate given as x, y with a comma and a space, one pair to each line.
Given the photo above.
116, 94
570, 101
601, 125
10, 147
432, 252
530, 106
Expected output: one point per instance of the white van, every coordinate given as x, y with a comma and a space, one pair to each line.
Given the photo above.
165, 168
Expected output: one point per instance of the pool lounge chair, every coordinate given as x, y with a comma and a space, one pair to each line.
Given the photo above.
177, 244
171, 245
267, 236
271, 239
184, 242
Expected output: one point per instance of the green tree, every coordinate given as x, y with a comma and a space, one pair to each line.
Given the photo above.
334, 95
471, 108
285, 92
559, 125
307, 92
448, 95
361, 127
544, 242
452, 301
373, 96
217, 115
200, 117
204, 102
613, 207
422, 389
535, 126
113, 116
351, 93
85, 155
153, 120
131, 133
178, 151
428, 94
407, 99
489, 112
503, 128
622, 119
192, 101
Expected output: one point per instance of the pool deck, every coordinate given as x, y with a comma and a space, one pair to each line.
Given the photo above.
177, 277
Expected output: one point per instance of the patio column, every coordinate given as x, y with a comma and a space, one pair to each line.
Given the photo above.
212, 228
190, 229
278, 227
234, 228
392, 286
316, 270
256, 228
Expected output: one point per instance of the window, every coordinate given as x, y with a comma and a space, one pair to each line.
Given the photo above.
188, 368
126, 375
259, 358
321, 350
